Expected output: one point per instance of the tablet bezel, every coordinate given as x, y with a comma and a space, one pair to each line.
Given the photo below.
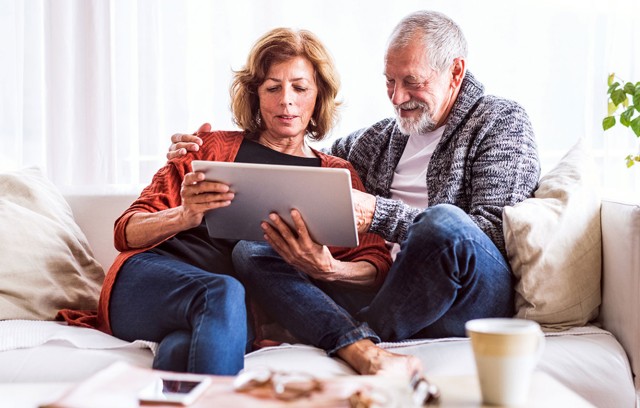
321, 194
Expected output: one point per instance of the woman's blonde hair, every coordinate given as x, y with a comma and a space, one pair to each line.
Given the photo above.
278, 45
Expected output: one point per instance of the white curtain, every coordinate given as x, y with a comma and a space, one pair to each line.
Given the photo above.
91, 90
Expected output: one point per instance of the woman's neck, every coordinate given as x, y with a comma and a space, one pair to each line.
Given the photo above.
294, 146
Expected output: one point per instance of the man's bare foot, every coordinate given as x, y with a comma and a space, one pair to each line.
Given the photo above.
367, 358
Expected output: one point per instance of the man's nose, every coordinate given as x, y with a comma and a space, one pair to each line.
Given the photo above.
399, 95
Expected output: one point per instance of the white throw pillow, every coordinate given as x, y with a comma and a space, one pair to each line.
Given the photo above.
554, 246
45, 261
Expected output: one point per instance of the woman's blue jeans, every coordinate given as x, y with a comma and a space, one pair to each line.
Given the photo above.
447, 272
198, 317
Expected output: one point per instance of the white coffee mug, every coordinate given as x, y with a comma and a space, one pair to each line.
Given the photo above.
506, 352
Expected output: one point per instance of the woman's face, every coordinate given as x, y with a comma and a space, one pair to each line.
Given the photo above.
288, 97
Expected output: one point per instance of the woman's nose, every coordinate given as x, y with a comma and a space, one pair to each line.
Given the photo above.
287, 97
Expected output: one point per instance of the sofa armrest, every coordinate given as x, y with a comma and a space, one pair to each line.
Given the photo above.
620, 311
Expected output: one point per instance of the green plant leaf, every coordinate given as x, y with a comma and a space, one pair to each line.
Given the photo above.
636, 101
629, 160
630, 88
632, 159
625, 117
608, 122
635, 126
611, 108
611, 78
613, 87
618, 96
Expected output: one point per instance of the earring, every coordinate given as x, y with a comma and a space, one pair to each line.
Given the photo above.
258, 118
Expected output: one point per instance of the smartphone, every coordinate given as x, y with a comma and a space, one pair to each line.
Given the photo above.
174, 390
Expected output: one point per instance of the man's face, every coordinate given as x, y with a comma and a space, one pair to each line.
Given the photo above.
419, 94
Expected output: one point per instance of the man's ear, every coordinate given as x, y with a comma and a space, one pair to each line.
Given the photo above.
458, 69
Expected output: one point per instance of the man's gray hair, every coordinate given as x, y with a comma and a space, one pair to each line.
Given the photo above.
441, 36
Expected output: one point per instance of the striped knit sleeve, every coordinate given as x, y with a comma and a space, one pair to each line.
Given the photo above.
392, 219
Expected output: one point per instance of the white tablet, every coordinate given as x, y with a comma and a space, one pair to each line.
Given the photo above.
321, 194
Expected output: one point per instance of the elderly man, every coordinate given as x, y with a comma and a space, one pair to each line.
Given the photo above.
438, 176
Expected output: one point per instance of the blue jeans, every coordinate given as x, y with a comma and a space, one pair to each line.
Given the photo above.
198, 317
447, 272
315, 312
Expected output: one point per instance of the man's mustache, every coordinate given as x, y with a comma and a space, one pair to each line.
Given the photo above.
409, 105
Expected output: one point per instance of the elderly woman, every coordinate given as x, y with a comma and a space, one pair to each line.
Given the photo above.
279, 84
172, 283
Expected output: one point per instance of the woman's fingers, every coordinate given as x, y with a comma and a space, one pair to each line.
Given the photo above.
195, 190
301, 230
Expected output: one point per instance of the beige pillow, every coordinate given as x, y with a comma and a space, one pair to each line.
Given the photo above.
554, 246
45, 261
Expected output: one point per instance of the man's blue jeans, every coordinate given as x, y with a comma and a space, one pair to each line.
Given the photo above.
447, 272
198, 317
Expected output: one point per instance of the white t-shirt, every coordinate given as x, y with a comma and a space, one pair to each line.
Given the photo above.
409, 182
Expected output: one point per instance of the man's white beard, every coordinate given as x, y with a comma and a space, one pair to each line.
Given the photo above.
409, 126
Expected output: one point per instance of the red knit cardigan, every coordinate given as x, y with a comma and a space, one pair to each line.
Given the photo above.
164, 193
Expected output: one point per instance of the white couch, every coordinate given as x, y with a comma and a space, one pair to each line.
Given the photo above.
40, 359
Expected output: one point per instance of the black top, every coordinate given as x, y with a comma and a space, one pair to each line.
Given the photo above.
194, 246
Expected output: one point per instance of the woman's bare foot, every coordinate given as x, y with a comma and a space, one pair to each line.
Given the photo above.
367, 358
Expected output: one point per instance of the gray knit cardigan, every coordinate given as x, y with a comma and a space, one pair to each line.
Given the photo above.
487, 159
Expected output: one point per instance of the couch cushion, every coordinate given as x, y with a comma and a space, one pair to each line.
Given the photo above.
554, 245
48, 351
46, 264
99, 230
